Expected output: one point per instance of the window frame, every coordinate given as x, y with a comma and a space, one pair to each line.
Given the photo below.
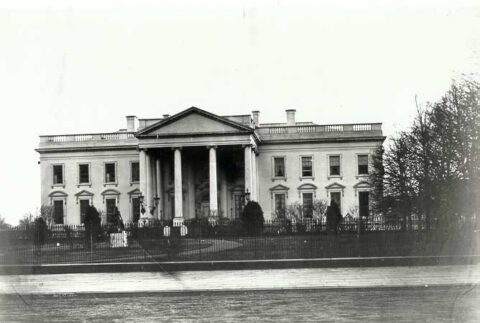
312, 193
301, 167
64, 209
274, 202
89, 183
131, 172
284, 177
62, 184
89, 200
329, 175
115, 182
357, 171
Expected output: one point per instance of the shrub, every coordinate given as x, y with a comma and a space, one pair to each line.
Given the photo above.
252, 218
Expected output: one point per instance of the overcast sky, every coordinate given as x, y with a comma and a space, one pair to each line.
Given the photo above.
73, 67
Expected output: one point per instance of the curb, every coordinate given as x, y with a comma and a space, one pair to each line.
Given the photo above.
237, 265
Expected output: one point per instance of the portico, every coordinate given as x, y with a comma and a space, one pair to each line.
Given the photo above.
186, 173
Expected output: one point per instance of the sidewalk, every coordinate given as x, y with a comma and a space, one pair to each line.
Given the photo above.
228, 280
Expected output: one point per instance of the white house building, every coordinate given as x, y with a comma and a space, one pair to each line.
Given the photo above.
197, 164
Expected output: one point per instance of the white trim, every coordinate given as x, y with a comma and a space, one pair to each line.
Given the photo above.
329, 176
89, 184
115, 182
357, 175
312, 177
284, 177
53, 175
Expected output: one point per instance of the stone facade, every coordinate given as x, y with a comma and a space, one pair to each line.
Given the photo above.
166, 167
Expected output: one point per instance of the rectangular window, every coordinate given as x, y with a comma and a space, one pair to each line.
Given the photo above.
307, 167
57, 174
336, 197
307, 205
135, 172
280, 205
362, 164
83, 209
279, 167
58, 212
334, 165
111, 203
135, 209
83, 174
110, 173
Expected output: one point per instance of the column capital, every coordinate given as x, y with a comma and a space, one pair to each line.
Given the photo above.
177, 148
212, 146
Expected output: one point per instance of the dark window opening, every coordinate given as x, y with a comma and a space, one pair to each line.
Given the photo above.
335, 165
135, 209
110, 173
279, 167
280, 205
135, 172
111, 204
84, 174
58, 212
83, 209
307, 169
363, 204
307, 205
362, 164
57, 174
336, 197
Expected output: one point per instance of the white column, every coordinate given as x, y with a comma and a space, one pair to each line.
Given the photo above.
158, 186
143, 172
248, 169
149, 193
254, 177
191, 190
178, 220
213, 182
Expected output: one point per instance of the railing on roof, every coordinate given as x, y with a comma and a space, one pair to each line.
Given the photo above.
106, 136
321, 128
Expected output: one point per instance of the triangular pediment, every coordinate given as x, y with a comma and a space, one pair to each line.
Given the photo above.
279, 187
84, 193
135, 192
334, 186
193, 121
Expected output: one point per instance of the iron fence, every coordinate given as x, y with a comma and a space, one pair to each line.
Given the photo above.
227, 240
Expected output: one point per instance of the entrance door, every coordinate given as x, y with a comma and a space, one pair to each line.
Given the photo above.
363, 201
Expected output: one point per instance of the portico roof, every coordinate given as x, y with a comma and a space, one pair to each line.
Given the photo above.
193, 122
195, 127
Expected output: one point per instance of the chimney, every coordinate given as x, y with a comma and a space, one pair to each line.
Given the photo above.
255, 115
131, 123
290, 117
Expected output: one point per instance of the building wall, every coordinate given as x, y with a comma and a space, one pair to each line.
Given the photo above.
96, 159
321, 178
